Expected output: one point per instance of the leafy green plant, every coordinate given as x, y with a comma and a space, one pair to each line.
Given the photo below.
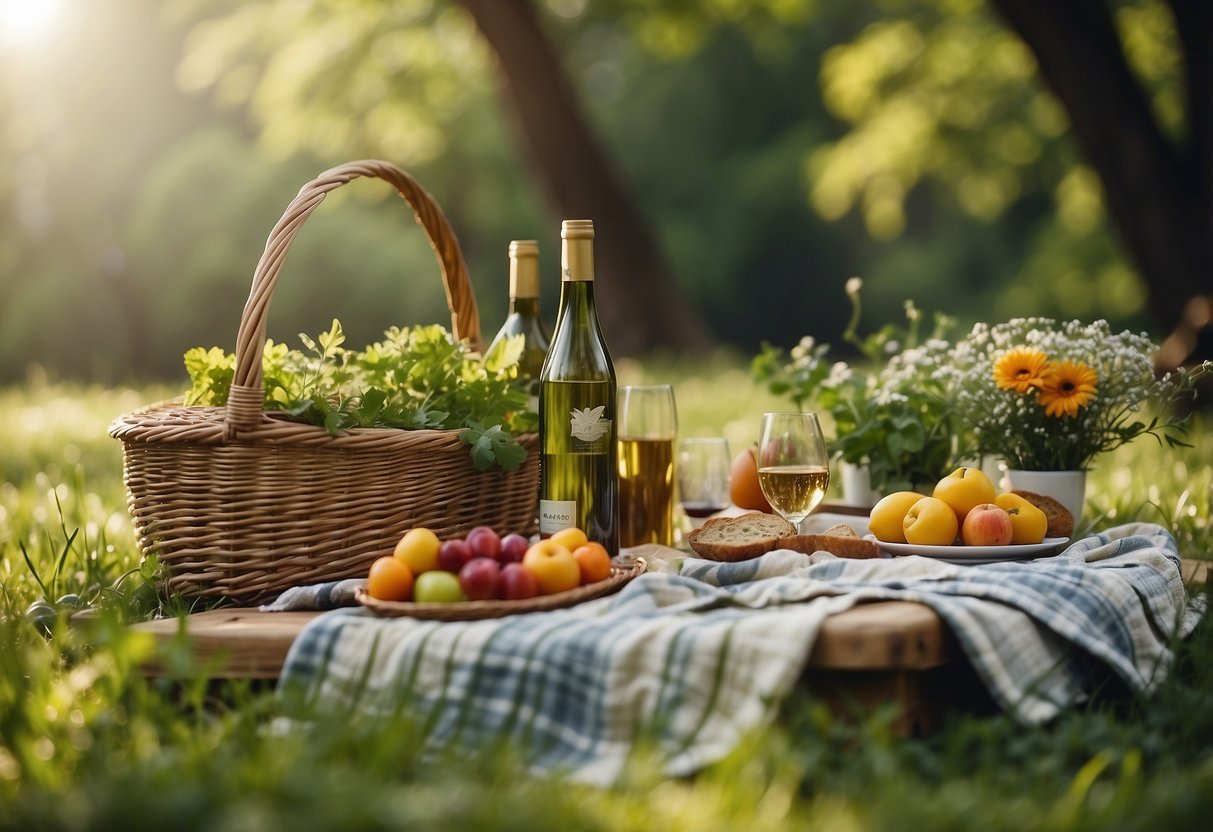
891, 412
415, 378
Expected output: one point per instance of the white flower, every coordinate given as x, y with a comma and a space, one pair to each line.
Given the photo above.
840, 374
803, 348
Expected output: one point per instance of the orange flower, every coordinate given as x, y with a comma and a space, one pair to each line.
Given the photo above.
1068, 386
1021, 369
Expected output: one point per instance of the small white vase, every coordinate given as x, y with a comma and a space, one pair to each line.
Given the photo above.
857, 485
1066, 487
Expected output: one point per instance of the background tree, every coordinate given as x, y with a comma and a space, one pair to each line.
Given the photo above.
1134, 82
1156, 169
770, 150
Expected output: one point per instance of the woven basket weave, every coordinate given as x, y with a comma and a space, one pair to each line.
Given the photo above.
241, 504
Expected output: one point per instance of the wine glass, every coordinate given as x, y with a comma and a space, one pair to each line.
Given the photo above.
648, 424
793, 466
703, 475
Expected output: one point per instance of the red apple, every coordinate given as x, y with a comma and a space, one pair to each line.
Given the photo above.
479, 579
987, 525
485, 542
513, 547
518, 583
453, 554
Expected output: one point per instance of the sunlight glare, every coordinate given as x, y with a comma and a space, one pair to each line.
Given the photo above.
23, 21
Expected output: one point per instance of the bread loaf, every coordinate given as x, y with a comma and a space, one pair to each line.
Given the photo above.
1061, 521
750, 535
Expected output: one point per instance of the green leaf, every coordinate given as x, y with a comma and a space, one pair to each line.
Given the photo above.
370, 406
332, 339
332, 422
505, 354
492, 445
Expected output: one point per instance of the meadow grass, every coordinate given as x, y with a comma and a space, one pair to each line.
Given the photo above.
86, 742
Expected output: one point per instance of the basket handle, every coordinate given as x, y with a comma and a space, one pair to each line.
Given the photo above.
245, 401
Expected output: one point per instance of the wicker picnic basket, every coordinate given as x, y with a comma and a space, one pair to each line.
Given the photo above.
240, 504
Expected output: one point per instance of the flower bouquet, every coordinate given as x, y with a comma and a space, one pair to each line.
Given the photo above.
1049, 396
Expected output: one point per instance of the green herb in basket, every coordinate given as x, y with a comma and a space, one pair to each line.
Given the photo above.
416, 377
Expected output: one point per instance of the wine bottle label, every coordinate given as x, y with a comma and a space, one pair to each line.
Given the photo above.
588, 425
555, 515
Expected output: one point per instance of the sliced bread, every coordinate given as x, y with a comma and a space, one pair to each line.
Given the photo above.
1061, 521
739, 538
844, 545
750, 535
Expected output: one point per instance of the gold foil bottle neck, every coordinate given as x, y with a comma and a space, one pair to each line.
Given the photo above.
577, 230
524, 269
577, 250
524, 248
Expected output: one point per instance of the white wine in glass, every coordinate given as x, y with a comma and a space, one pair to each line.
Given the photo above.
793, 464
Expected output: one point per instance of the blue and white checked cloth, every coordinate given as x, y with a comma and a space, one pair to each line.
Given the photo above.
695, 658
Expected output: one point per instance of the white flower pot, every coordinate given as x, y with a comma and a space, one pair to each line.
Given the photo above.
857, 485
1066, 487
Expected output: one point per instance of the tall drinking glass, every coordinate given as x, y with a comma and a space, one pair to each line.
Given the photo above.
648, 424
793, 466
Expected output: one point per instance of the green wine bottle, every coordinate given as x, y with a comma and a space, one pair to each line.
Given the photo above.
523, 318
578, 468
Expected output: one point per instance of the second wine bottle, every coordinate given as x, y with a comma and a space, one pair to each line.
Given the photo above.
578, 468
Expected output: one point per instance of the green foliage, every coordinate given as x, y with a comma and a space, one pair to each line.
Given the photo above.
87, 742
892, 413
416, 378
742, 128
939, 94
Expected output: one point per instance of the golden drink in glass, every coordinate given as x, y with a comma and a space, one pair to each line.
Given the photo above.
647, 426
793, 464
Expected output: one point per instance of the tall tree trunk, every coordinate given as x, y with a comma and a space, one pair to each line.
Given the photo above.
1159, 192
640, 303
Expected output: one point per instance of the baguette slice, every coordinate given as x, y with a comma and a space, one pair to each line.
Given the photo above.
739, 538
840, 546
1061, 521
750, 535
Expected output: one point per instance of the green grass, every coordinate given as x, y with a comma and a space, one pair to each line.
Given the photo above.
85, 742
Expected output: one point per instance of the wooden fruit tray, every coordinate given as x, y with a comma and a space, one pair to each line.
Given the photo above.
474, 610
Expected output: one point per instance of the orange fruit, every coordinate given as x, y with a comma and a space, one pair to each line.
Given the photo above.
594, 562
744, 490
390, 580
418, 550
570, 538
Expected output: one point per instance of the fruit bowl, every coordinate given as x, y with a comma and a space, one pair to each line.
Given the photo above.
621, 573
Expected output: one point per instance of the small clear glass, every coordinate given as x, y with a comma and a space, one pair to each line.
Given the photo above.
703, 476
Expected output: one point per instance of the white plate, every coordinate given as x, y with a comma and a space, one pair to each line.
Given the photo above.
974, 555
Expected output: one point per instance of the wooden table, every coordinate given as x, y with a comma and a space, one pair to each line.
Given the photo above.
896, 652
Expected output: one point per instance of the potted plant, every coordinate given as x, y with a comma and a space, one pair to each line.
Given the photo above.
891, 413
1049, 397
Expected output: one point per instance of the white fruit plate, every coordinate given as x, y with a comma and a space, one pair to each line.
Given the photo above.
975, 555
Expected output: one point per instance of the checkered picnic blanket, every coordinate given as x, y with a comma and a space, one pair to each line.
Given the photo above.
695, 656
